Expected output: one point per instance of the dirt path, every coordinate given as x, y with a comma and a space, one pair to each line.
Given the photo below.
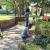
10, 42
10, 39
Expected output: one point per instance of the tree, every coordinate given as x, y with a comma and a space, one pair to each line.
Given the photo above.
17, 5
41, 3
22, 4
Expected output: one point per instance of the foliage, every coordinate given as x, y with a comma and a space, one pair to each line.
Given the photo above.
43, 28
36, 17
43, 4
42, 33
48, 4
23, 47
31, 47
42, 41
48, 47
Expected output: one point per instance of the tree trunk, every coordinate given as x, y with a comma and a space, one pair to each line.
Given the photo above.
36, 10
21, 8
42, 12
43, 7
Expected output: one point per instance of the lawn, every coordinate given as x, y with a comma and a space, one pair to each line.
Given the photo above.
6, 17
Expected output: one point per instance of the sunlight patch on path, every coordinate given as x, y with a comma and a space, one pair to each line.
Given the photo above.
9, 42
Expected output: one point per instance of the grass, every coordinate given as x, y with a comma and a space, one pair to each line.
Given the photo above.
48, 14
30, 47
6, 17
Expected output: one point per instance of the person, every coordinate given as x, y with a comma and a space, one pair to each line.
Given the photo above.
26, 33
33, 21
27, 16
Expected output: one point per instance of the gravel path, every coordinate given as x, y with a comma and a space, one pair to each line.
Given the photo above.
10, 42
10, 39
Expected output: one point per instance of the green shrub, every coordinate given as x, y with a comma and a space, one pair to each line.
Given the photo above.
48, 47
43, 28
42, 33
30, 47
41, 41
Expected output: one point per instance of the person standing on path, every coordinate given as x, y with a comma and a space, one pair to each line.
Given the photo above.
27, 12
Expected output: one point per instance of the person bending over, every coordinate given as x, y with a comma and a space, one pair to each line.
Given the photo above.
26, 33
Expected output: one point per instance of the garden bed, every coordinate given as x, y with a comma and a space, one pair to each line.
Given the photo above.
4, 24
